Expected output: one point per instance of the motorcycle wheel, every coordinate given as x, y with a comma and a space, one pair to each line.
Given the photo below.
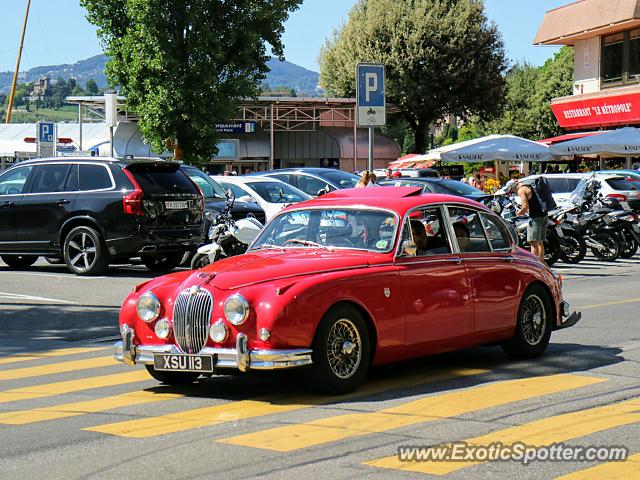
574, 248
611, 250
551, 251
199, 260
629, 247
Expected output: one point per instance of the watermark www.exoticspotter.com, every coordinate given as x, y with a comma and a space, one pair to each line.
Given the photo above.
515, 452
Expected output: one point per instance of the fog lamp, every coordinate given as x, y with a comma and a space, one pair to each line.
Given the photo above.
162, 328
218, 332
264, 334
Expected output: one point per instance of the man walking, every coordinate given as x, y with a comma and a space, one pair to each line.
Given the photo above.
537, 228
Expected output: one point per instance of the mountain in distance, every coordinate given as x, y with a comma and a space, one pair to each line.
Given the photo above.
303, 81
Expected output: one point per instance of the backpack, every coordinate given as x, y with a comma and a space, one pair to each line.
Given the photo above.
541, 189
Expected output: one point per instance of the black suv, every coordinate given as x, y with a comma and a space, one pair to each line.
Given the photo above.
93, 211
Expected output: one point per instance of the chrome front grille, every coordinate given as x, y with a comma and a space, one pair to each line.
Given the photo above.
191, 318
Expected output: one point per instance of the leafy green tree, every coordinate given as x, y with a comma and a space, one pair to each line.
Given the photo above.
441, 57
184, 64
91, 87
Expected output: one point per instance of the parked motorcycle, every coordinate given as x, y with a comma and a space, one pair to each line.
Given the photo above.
228, 237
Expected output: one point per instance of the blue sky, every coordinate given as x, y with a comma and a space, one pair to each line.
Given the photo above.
58, 32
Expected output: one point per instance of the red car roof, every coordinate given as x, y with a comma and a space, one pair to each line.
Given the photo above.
399, 199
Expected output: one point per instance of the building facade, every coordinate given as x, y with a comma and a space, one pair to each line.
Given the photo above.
605, 36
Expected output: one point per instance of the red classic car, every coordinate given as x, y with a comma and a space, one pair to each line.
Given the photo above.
350, 279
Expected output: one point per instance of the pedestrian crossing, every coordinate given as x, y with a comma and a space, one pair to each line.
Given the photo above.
445, 393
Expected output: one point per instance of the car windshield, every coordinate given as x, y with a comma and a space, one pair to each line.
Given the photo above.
210, 188
340, 178
373, 230
278, 192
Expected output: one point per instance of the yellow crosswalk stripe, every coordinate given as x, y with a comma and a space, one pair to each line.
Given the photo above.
66, 410
436, 407
628, 470
244, 409
61, 367
70, 386
23, 357
559, 428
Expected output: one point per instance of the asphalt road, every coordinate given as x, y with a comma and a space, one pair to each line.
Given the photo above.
68, 411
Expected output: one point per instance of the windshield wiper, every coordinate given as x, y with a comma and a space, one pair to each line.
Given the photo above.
268, 245
309, 243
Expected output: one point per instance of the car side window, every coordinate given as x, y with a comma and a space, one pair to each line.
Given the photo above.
468, 230
50, 178
13, 182
94, 177
426, 228
72, 180
281, 176
496, 233
312, 185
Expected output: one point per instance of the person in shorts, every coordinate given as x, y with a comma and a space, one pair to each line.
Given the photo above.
537, 228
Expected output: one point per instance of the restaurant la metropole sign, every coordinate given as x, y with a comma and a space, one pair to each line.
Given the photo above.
601, 111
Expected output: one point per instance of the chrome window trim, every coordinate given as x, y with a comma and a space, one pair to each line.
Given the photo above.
445, 218
112, 188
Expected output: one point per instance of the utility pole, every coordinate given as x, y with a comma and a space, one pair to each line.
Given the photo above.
15, 74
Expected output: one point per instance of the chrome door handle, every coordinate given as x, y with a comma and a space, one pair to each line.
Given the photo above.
63, 201
7, 204
457, 261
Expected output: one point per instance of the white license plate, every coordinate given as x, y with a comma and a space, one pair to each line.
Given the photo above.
177, 205
183, 363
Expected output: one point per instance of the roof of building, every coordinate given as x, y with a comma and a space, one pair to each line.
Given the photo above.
587, 19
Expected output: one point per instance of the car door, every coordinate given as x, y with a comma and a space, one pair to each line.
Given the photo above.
435, 285
487, 251
43, 210
13, 184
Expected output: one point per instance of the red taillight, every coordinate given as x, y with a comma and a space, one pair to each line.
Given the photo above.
132, 202
617, 196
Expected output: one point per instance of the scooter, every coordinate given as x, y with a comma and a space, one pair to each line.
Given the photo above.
228, 237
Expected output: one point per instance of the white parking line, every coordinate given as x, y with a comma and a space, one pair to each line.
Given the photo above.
54, 275
17, 296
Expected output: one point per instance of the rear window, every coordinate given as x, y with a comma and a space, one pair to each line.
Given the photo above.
623, 184
158, 179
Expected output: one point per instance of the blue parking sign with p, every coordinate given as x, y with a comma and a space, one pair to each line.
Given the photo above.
46, 132
370, 94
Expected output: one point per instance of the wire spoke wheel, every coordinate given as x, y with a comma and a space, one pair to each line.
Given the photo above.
533, 320
344, 349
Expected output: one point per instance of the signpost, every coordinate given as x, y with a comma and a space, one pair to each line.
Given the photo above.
46, 140
370, 100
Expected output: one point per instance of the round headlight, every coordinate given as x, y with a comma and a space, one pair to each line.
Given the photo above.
148, 307
236, 309
162, 328
218, 332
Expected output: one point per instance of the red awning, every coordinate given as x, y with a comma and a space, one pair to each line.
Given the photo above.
568, 136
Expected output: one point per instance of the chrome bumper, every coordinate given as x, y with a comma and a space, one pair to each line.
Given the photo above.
240, 357
568, 319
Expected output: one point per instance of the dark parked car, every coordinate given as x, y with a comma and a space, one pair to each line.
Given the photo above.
439, 185
215, 197
313, 181
95, 211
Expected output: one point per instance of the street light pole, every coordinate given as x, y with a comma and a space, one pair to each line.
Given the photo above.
15, 74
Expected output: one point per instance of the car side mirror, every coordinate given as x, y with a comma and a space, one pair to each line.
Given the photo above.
409, 248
